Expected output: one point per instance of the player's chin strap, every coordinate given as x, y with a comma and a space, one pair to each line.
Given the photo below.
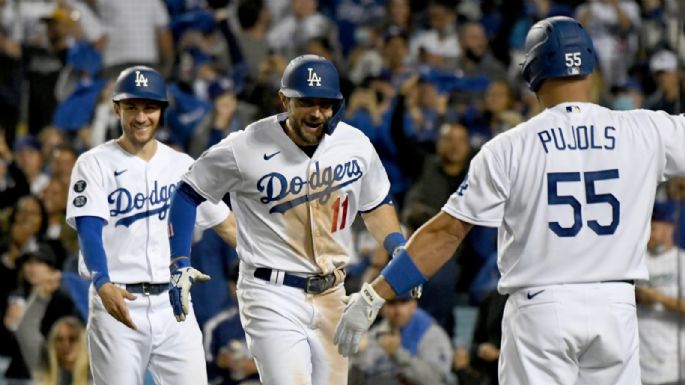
332, 123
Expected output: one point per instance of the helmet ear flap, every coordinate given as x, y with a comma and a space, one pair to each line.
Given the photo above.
335, 119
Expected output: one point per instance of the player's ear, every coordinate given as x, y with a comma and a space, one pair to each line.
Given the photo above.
284, 100
117, 109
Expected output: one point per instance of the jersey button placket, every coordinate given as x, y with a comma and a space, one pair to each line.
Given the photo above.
314, 209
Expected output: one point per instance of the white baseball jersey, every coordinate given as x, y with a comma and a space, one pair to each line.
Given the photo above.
659, 326
572, 191
133, 197
294, 211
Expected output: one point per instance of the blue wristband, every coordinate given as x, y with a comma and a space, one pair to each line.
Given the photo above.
393, 241
402, 274
179, 263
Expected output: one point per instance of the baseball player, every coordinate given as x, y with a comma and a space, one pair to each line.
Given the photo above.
119, 200
296, 181
571, 191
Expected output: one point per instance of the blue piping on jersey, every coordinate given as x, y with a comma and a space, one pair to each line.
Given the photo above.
285, 206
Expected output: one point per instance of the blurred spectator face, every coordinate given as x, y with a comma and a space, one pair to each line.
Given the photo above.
666, 79
453, 143
664, 65
61, 164
473, 40
302, 8
428, 94
59, 25
36, 271
29, 214
66, 339
395, 51
440, 17
29, 160
497, 97
54, 197
399, 313
50, 138
139, 119
400, 12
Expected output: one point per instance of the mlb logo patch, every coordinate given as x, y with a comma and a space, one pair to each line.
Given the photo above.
572, 109
573, 70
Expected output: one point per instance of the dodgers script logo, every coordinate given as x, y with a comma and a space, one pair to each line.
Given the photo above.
122, 202
141, 80
276, 187
314, 78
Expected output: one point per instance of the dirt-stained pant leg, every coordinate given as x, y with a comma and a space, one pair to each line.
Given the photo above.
290, 333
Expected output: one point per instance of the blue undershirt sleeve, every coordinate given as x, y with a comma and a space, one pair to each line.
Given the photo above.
89, 230
182, 215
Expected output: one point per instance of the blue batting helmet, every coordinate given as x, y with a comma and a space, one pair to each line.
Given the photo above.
557, 47
312, 76
140, 82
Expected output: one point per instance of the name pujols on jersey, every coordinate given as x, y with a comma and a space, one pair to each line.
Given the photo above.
580, 137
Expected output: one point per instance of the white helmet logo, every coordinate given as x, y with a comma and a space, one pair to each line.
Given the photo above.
141, 80
313, 78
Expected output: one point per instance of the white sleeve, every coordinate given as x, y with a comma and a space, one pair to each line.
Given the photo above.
161, 14
86, 194
215, 172
211, 214
671, 129
480, 198
375, 183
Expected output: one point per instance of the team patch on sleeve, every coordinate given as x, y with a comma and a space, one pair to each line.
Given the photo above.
80, 201
80, 185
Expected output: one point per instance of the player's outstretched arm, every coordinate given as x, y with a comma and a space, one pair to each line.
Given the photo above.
430, 247
89, 229
182, 214
427, 250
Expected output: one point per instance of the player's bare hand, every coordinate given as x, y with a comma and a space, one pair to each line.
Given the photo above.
113, 299
488, 352
182, 278
360, 312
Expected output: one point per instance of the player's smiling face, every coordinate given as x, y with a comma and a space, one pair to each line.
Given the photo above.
139, 119
306, 118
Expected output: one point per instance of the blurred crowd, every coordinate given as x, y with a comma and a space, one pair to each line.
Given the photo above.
428, 81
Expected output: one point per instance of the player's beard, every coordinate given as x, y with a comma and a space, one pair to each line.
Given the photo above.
305, 132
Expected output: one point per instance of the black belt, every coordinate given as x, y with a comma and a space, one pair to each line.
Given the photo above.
147, 288
628, 281
313, 284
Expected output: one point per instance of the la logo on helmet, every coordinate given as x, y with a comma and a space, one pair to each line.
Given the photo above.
140, 79
313, 78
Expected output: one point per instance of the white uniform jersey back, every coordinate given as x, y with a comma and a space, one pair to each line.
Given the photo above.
572, 192
133, 197
294, 212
